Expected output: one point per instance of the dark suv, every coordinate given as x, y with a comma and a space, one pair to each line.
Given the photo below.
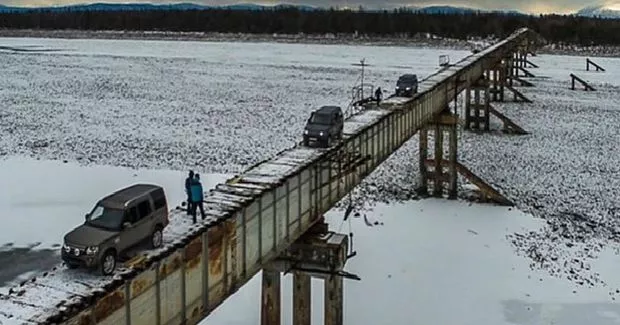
324, 126
117, 223
407, 85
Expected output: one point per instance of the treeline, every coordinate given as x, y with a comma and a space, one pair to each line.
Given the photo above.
554, 28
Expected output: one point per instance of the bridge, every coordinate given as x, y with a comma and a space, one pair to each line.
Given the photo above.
269, 218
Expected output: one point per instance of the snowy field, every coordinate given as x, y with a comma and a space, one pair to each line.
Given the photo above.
220, 107
36, 212
438, 262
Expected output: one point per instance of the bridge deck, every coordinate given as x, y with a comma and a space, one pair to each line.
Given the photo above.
252, 218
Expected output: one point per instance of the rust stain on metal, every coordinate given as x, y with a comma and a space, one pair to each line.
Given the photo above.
138, 286
193, 253
84, 319
109, 304
171, 266
216, 240
215, 235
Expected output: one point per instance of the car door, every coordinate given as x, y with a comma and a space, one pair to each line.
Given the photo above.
128, 234
334, 126
145, 223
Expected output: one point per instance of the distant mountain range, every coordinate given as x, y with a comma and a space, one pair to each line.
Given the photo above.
599, 11
593, 11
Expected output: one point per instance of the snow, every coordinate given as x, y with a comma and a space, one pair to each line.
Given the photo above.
36, 204
443, 262
566, 171
31, 186
133, 103
220, 106
356, 123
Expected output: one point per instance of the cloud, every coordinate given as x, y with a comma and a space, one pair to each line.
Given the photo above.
531, 6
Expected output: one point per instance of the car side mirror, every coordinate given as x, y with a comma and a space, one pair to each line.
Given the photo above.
126, 225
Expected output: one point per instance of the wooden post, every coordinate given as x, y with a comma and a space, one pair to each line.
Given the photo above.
334, 301
270, 299
473, 120
423, 155
302, 298
437, 182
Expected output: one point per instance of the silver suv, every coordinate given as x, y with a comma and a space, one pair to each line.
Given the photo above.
117, 223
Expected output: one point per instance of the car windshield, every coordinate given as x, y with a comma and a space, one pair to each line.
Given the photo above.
104, 217
406, 81
320, 119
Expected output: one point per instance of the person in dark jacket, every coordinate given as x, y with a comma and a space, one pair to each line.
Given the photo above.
378, 95
197, 197
188, 182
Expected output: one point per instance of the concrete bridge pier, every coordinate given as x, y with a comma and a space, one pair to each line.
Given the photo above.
319, 254
438, 171
477, 112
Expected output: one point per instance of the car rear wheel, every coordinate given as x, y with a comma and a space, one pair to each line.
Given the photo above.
157, 237
108, 262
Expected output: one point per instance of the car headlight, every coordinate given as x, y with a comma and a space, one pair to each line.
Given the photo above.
408, 88
305, 131
321, 133
66, 248
92, 250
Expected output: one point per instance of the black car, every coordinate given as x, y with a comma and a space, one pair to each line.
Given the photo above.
407, 85
324, 126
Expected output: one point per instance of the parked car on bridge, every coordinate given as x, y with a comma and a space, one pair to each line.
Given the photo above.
118, 222
407, 85
324, 126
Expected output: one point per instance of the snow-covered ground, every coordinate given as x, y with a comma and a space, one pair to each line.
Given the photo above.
224, 106
424, 261
175, 105
42, 200
439, 262
54, 196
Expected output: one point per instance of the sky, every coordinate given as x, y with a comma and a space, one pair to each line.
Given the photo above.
529, 6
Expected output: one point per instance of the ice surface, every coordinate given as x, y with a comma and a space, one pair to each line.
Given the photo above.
49, 198
443, 262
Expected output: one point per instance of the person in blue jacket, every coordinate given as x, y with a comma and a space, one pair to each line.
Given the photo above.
197, 197
188, 183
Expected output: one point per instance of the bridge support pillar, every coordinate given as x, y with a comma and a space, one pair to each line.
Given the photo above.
477, 112
497, 78
334, 302
270, 299
509, 71
319, 254
302, 298
441, 172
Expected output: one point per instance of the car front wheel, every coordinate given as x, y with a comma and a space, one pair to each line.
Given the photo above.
108, 262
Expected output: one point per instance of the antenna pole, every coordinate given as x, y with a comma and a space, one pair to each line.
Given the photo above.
362, 62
